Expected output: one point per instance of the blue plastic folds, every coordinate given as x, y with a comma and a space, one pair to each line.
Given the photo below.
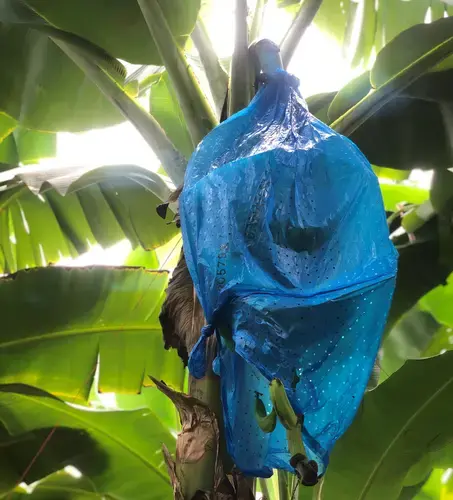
286, 240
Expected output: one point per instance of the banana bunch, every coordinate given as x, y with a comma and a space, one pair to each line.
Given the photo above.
306, 470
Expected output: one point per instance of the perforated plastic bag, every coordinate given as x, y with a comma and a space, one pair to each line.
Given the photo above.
286, 240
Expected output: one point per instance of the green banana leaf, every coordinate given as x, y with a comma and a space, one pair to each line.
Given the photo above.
408, 57
394, 194
59, 323
432, 489
332, 17
393, 18
419, 271
409, 46
142, 258
349, 95
409, 338
60, 486
415, 491
441, 459
164, 106
376, 22
438, 302
7, 125
438, 484
318, 105
391, 173
61, 449
38, 225
409, 133
151, 398
118, 26
27, 146
42, 88
406, 416
119, 452
418, 474
406, 133
440, 343
425, 329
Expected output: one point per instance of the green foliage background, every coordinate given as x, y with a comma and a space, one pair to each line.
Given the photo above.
70, 334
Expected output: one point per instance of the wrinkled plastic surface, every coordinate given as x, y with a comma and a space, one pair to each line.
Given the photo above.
286, 240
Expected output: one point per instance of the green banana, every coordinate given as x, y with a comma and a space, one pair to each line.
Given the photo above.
282, 405
306, 470
266, 422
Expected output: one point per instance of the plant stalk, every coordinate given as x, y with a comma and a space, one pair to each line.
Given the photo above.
240, 89
255, 30
302, 21
197, 112
264, 489
283, 488
172, 161
317, 490
207, 390
216, 75
257, 21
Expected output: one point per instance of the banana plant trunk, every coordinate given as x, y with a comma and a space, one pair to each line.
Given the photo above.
202, 468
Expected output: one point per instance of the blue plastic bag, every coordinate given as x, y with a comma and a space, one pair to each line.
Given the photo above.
286, 240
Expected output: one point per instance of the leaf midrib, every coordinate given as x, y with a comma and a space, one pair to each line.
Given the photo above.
415, 415
76, 332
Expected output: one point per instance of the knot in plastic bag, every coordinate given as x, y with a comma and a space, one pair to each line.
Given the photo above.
197, 358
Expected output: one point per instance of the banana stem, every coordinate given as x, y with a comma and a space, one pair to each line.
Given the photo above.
264, 489
317, 490
301, 22
197, 112
283, 489
239, 90
257, 20
216, 75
